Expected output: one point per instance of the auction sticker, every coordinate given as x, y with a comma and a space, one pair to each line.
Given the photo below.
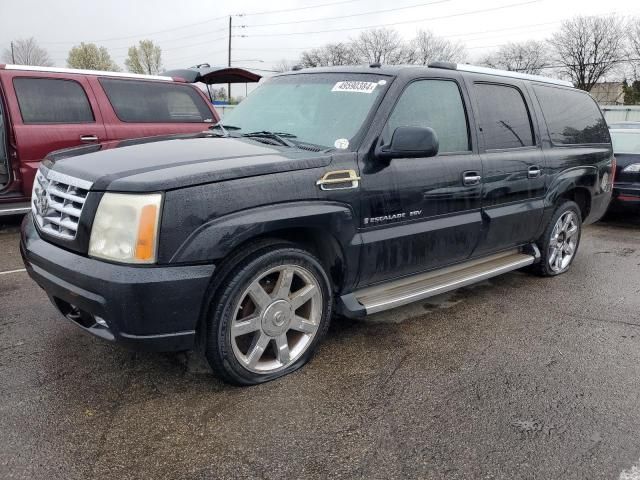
354, 86
341, 143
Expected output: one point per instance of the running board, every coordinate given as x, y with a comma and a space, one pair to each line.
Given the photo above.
407, 290
14, 208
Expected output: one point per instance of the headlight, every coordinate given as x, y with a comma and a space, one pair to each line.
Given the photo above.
125, 228
633, 168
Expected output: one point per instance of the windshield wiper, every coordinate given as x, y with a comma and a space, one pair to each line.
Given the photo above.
278, 136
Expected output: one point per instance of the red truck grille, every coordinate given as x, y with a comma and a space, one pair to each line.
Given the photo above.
57, 202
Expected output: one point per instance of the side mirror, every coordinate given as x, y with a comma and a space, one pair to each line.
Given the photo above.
410, 142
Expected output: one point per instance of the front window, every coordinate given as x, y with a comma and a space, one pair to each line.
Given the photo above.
327, 110
626, 142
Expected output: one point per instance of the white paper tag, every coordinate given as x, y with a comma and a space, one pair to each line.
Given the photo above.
354, 86
341, 144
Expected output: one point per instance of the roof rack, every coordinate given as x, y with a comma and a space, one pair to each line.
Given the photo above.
30, 68
502, 73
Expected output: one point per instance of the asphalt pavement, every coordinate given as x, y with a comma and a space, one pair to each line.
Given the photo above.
516, 378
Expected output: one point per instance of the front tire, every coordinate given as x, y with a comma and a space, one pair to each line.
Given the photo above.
560, 240
268, 316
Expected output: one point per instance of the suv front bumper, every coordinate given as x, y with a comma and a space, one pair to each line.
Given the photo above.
150, 308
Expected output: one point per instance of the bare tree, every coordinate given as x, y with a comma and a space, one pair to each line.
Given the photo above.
381, 45
526, 57
329, 55
26, 51
283, 65
633, 52
146, 58
588, 48
427, 48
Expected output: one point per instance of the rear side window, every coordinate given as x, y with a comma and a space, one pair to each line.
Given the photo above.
155, 102
572, 116
504, 117
436, 104
51, 100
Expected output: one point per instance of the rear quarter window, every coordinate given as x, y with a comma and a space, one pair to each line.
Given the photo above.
51, 100
155, 102
572, 117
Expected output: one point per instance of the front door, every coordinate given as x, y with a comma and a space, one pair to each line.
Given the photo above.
51, 113
422, 213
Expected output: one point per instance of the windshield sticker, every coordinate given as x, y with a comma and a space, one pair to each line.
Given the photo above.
382, 82
354, 86
341, 144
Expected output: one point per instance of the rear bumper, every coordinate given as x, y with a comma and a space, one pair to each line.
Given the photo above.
150, 308
626, 195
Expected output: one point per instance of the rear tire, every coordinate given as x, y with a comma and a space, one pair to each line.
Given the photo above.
268, 316
560, 240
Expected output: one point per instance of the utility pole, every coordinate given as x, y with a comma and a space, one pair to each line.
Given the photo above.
229, 63
13, 56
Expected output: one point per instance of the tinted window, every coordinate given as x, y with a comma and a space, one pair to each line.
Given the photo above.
48, 100
155, 102
504, 117
572, 116
436, 104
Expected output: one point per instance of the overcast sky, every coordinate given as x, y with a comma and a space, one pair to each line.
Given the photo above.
195, 31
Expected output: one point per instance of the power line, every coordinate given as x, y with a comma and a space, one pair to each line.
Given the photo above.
297, 8
373, 12
503, 7
142, 35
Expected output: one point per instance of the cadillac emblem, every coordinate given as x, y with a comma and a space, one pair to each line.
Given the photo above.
42, 203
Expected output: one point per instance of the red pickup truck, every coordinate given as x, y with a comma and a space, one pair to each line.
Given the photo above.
45, 109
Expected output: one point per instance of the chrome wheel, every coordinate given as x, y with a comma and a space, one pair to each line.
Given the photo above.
276, 319
564, 240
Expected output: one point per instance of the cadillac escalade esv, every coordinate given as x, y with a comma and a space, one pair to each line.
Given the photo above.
345, 189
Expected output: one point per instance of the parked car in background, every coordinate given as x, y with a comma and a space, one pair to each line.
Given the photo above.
624, 125
46, 109
626, 147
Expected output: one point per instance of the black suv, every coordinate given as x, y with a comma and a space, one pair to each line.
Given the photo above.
350, 189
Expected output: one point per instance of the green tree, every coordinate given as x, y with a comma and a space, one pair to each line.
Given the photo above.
89, 56
146, 58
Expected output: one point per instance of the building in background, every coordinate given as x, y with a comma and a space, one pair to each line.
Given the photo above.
608, 93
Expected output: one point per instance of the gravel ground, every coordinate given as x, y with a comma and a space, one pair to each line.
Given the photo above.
519, 377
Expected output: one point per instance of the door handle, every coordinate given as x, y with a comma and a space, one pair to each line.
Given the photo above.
88, 138
534, 172
471, 178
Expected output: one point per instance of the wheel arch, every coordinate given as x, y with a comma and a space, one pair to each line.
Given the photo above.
578, 185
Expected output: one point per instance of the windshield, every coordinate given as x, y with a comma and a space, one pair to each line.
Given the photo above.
326, 110
626, 142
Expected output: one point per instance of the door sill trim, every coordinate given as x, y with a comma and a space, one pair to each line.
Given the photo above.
418, 287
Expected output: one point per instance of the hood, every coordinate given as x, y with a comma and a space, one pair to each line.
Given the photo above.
165, 163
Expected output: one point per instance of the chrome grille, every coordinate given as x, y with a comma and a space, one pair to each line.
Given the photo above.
57, 202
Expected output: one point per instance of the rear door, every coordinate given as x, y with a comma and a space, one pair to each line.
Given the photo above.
49, 113
144, 108
513, 184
